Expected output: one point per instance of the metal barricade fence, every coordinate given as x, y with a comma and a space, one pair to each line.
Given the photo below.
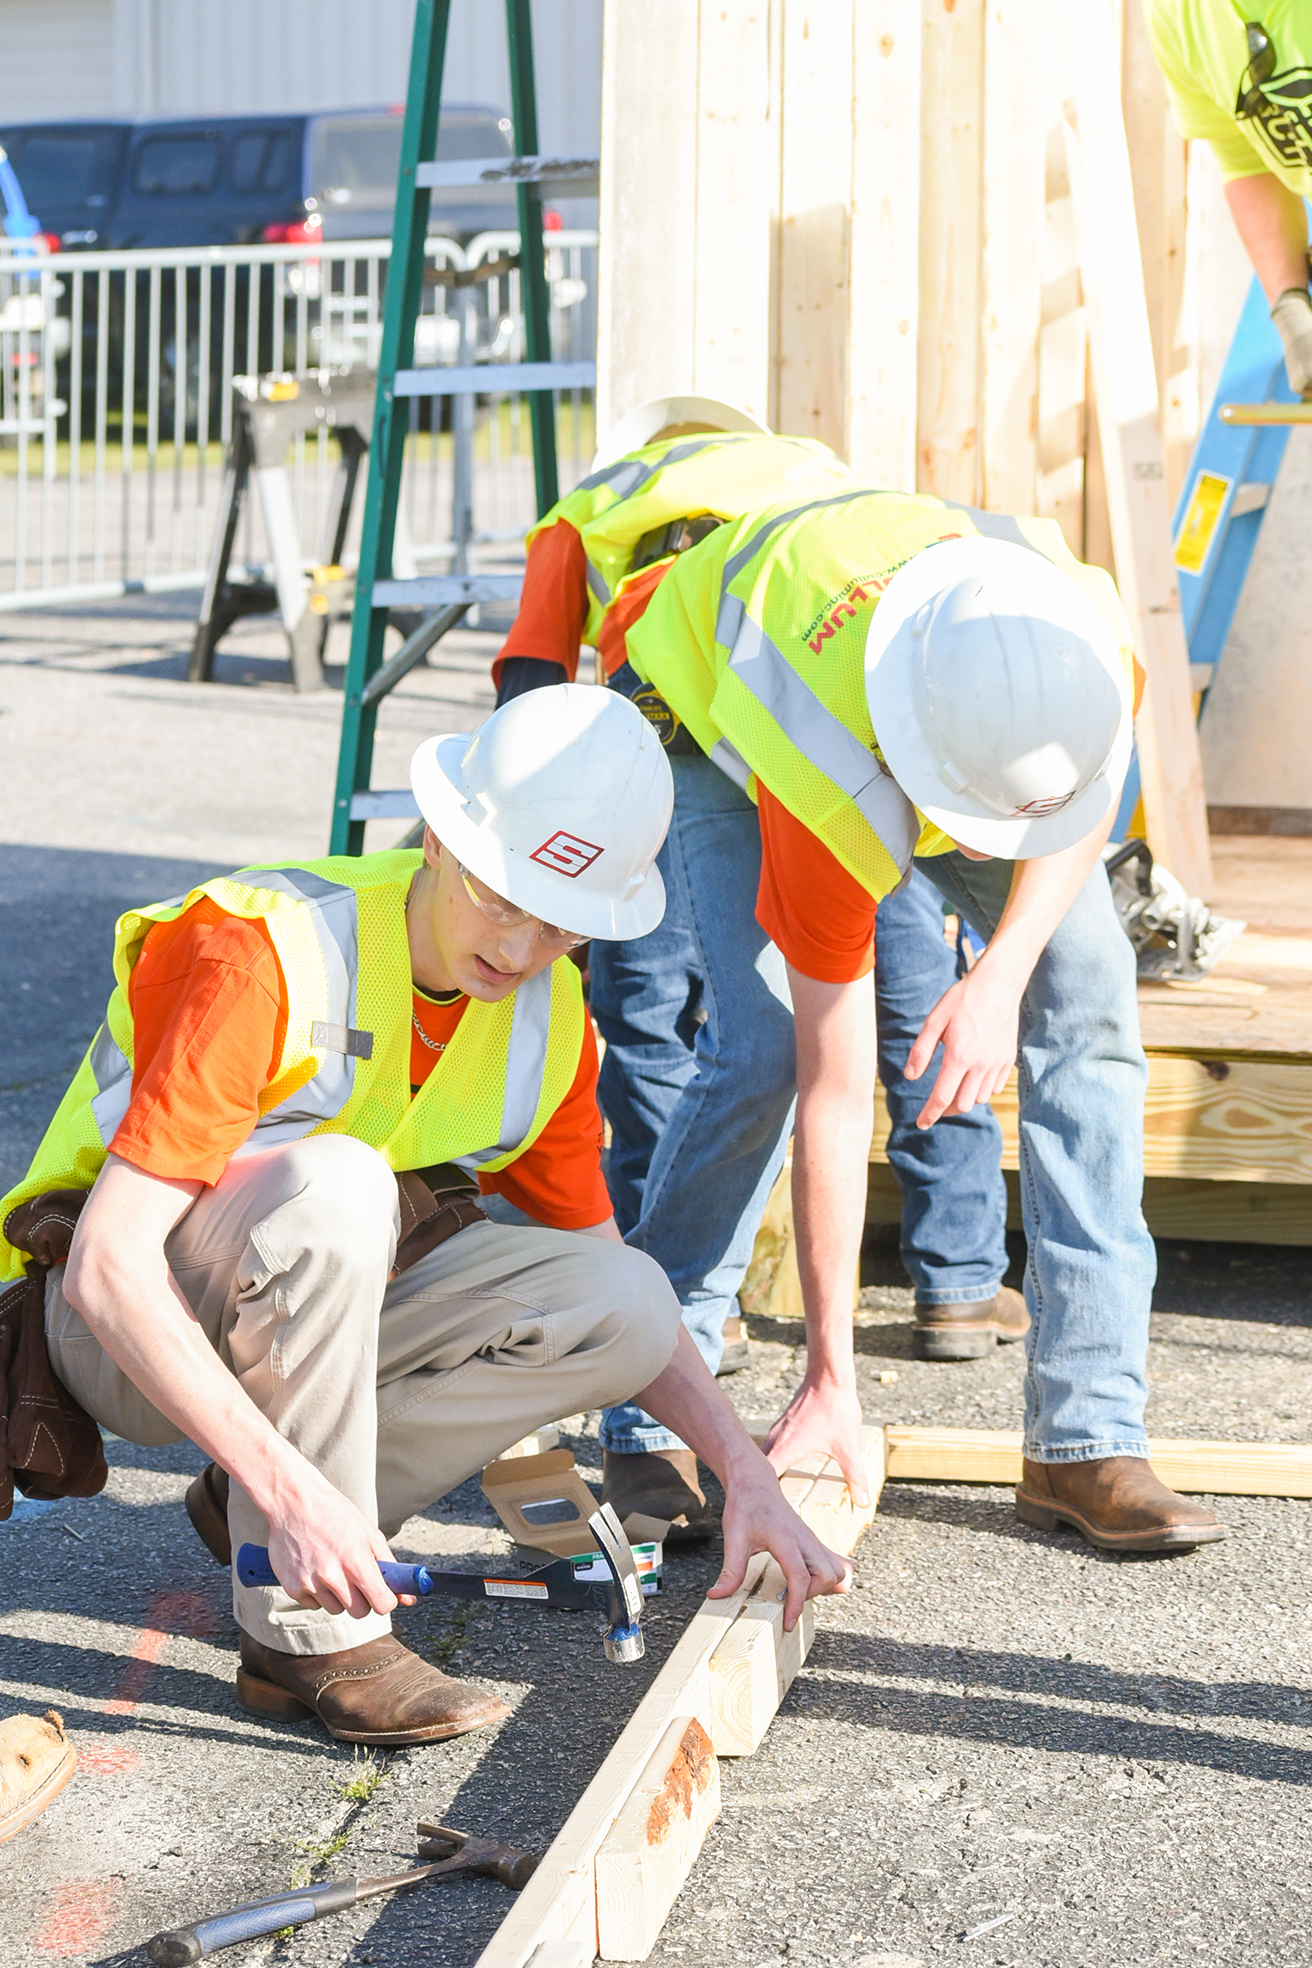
116, 375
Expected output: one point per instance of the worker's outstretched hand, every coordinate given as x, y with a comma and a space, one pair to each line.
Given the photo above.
978, 1022
757, 1517
823, 1418
326, 1553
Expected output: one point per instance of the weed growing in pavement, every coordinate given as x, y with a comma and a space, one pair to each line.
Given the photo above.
361, 1787
316, 1852
456, 1634
355, 1791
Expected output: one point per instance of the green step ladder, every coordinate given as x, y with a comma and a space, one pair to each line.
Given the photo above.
368, 678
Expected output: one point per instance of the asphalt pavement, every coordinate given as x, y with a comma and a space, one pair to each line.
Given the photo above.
1005, 1748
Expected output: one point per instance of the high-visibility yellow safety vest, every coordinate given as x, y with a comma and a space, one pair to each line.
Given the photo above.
338, 929
726, 473
757, 642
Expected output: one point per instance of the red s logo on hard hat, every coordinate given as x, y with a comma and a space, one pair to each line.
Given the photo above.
566, 853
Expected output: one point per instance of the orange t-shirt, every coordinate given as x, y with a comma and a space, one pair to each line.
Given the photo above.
806, 902
553, 603
209, 1013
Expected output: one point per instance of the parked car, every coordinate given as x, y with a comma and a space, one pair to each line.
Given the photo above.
70, 173
294, 179
241, 180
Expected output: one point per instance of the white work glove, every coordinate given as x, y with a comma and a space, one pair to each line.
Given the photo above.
1292, 315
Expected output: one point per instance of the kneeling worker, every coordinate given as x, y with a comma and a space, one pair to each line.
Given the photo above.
286, 1051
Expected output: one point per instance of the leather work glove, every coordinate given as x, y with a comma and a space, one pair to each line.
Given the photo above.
1292, 315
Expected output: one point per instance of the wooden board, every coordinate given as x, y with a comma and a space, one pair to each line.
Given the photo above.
1159, 169
736, 143
772, 1288
884, 317
979, 1455
1202, 1209
754, 1666
653, 1844
648, 189
1012, 202
1245, 1121
1125, 380
951, 166
816, 193
560, 1901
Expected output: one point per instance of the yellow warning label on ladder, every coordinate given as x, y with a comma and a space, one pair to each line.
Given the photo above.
1209, 496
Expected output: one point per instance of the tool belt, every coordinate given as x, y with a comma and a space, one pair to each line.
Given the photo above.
435, 1203
675, 537
674, 735
48, 1443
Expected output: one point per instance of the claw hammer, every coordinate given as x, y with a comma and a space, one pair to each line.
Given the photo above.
554, 1585
453, 1852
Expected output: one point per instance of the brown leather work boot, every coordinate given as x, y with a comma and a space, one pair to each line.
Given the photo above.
207, 1507
966, 1332
378, 1693
36, 1761
659, 1483
1116, 1502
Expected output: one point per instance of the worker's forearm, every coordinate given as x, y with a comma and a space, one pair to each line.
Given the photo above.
1272, 223
685, 1398
831, 1157
1042, 890
133, 1307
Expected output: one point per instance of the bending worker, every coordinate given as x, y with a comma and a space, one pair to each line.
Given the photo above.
688, 1009
299, 1064
1243, 84
898, 682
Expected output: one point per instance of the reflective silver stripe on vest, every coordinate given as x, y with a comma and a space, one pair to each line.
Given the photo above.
821, 738
627, 477
113, 1077
526, 1064
731, 762
334, 912
735, 565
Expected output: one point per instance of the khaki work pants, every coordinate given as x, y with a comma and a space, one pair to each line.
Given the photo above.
395, 1392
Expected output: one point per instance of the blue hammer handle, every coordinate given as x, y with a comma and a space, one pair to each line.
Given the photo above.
245, 1923
253, 1568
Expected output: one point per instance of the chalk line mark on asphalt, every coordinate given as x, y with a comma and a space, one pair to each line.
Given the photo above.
82, 1911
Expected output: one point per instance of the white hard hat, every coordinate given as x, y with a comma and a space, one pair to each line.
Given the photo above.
999, 697
642, 425
559, 802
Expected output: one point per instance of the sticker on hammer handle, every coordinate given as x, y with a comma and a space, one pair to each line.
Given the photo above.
514, 1589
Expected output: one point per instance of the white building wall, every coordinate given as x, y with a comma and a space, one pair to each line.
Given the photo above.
56, 57
181, 57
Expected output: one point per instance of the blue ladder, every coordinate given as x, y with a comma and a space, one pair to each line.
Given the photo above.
1225, 493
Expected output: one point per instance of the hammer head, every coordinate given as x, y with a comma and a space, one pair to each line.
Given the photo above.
623, 1637
461, 1852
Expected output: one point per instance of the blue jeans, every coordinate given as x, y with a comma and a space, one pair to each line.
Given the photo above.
954, 1200
699, 1080
1091, 1265
699, 1077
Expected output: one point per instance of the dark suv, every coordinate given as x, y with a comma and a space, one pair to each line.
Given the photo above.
245, 180
70, 174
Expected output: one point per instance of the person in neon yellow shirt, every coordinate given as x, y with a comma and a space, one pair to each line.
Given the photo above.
1245, 86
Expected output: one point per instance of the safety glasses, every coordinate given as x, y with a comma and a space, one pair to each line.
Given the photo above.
1261, 67
498, 910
